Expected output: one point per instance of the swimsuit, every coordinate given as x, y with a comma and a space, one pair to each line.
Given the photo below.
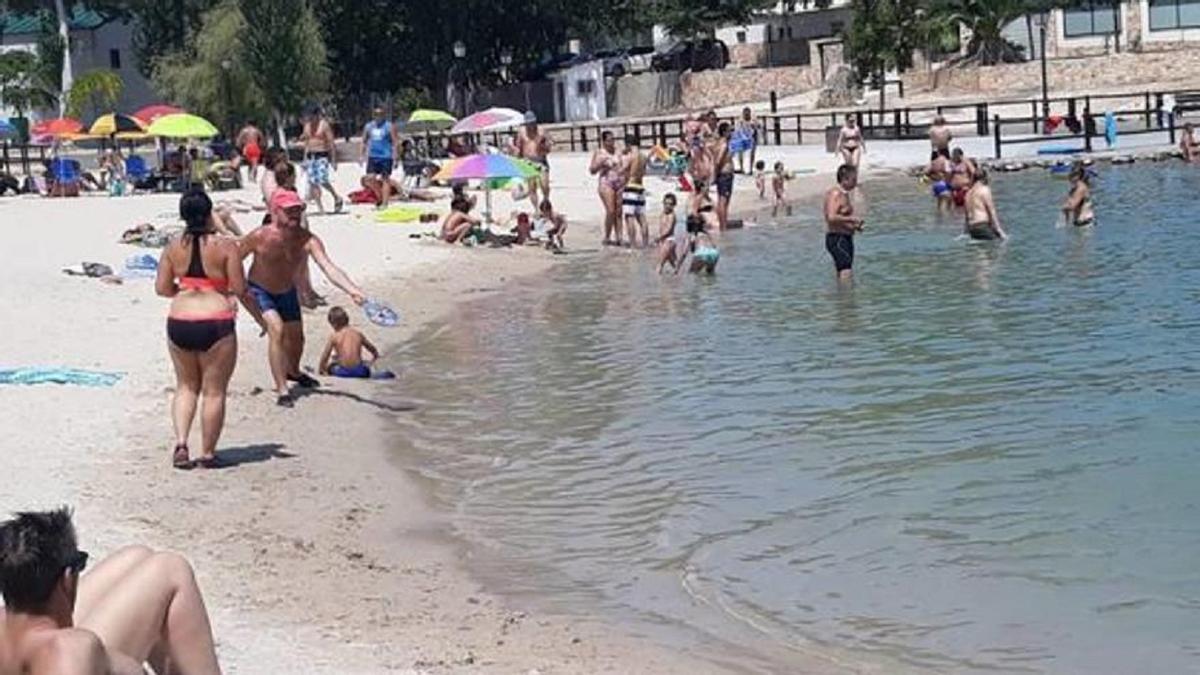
707, 255
361, 371
252, 153
841, 248
286, 304
316, 165
959, 195
981, 231
724, 184
940, 188
633, 200
198, 333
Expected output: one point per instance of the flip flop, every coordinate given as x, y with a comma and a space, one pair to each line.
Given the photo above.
285, 401
180, 459
214, 462
305, 380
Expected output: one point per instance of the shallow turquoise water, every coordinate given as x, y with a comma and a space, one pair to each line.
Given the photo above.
978, 458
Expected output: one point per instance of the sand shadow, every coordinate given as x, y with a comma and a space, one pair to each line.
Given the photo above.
252, 454
305, 393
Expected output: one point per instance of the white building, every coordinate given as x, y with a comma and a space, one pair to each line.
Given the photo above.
97, 42
1108, 26
786, 37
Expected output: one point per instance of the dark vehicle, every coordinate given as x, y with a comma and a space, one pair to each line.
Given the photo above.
554, 63
694, 55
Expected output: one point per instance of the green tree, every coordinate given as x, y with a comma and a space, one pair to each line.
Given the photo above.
688, 18
97, 91
285, 54
986, 19
164, 27
199, 80
883, 35
20, 88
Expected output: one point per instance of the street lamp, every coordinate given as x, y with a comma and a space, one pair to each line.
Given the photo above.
460, 49
1041, 22
506, 58
456, 82
226, 66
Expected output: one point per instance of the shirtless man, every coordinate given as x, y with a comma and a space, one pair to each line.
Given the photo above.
982, 222
962, 176
320, 157
280, 248
841, 222
135, 607
938, 173
723, 160
701, 163
1188, 145
940, 135
633, 196
251, 143
535, 146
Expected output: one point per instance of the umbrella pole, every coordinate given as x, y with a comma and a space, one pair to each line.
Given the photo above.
487, 201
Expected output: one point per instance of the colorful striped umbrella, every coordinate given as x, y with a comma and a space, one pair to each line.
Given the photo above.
486, 167
152, 112
492, 119
60, 126
7, 130
107, 125
182, 125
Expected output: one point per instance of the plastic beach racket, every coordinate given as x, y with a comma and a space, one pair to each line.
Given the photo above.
380, 314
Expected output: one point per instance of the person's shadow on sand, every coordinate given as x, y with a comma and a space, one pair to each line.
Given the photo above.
251, 454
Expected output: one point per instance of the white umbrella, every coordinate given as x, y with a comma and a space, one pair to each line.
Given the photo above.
492, 119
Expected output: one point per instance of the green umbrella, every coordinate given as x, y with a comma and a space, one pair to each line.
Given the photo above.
182, 125
430, 119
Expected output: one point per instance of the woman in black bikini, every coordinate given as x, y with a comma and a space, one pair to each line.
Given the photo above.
202, 274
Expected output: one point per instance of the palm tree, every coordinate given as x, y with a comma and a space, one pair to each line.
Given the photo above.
986, 19
99, 89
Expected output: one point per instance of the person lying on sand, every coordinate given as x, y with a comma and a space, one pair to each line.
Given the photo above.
375, 185
345, 347
135, 607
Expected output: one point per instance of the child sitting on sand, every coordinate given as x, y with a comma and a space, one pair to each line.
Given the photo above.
346, 346
760, 178
779, 186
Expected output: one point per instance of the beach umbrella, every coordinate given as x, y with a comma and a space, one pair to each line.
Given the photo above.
492, 119
7, 130
487, 167
107, 125
426, 120
153, 112
182, 125
59, 126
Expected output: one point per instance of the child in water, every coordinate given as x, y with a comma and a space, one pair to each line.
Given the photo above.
704, 252
779, 186
671, 235
346, 346
760, 178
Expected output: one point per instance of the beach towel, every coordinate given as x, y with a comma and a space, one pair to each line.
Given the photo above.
1110, 129
140, 266
82, 378
380, 314
363, 196
399, 214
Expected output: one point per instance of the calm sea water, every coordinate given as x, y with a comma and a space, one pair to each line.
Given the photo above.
979, 458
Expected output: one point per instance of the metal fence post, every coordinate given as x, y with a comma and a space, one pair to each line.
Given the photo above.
896, 122
996, 131
778, 139
799, 130
1171, 127
1087, 125
1148, 110
1033, 108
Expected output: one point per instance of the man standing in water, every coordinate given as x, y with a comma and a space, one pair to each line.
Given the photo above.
1188, 144
745, 136
982, 221
962, 176
724, 173
320, 157
633, 197
841, 222
940, 135
378, 147
535, 146
279, 249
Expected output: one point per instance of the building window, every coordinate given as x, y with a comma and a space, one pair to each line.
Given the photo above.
789, 30
1092, 17
741, 37
836, 27
781, 32
1174, 14
114, 59
585, 87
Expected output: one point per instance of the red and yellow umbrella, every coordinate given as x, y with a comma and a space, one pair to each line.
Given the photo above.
153, 112
60, 126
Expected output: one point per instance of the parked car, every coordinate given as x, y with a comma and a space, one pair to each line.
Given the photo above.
695, 55
552, 64
614, 61
638, 59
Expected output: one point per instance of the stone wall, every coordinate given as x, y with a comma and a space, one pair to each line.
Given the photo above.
1123, 70
716, 88
769, 54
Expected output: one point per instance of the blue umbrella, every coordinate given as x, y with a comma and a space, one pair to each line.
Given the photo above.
7, 130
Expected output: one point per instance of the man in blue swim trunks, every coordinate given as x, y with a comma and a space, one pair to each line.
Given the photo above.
938, 174
379, 142
279, 249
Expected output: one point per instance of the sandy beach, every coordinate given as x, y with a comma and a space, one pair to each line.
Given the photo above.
316, 554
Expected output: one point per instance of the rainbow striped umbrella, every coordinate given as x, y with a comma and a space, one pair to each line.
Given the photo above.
492, 119
485, 167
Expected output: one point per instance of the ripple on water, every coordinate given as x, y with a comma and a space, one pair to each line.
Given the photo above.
978, 458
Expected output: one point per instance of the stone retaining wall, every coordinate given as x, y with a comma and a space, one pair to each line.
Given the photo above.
716, 88
1125, 70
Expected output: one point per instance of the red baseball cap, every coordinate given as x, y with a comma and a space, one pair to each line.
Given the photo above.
285, 199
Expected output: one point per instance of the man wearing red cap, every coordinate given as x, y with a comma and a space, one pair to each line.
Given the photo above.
279, 249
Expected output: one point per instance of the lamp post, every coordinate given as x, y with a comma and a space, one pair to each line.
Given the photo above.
506, 59
1041, 22
456, 80
227, 90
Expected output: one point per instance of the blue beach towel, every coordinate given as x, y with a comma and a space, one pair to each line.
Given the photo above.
140, 266
1110, 129
82, 378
